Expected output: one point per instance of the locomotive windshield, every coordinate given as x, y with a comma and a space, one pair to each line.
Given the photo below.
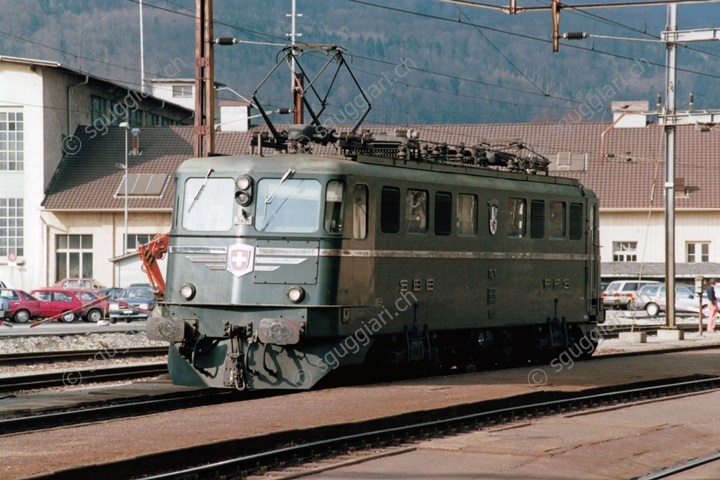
289, 206
208, 204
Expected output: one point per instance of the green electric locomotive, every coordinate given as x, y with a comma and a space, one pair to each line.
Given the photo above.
282, 268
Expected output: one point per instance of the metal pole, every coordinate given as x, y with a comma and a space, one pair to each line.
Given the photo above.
142, 51
125, 241
670, 173
699, 292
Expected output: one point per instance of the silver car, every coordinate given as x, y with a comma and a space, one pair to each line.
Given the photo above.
132, 303
652, 298
623, 294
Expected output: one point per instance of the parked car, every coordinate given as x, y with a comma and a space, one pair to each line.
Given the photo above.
58, 302
623, 293
109, 293
653, 299
132, 303
22, 305
95, 307
79, 284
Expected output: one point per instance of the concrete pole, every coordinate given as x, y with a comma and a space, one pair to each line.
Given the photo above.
670, 172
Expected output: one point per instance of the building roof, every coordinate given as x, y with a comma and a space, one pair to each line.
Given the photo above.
631, 176
656, 270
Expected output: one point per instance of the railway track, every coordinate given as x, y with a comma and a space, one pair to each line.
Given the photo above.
79, 355
279, 454
612, 331
74, 377
103, 411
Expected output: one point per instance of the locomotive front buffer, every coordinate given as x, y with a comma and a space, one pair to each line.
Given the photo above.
267, 352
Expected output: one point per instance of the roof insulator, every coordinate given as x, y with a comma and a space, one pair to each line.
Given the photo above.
575, 35
226, 41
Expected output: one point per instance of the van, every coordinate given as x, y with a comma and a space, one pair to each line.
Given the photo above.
623, 294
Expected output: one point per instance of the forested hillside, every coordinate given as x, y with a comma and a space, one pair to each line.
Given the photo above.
461, 64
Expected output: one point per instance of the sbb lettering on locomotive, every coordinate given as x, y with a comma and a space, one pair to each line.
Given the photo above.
556, 283
417, 284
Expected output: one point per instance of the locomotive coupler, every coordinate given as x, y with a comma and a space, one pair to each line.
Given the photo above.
236, 361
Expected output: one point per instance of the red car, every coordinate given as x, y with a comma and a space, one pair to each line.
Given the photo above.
95, 307
23, 306
56, 302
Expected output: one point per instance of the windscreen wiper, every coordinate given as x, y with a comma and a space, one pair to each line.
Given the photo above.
283, 180
202, 187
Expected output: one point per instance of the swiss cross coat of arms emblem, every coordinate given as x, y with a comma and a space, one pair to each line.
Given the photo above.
493, 217
240, 259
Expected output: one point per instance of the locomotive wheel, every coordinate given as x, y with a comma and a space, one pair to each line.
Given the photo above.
505, 349
576, 336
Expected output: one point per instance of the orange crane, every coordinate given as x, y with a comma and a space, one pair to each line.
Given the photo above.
150, 253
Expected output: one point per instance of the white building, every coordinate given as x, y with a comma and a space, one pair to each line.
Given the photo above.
43, 106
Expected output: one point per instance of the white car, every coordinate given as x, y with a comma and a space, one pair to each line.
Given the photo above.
652, 298
623, 294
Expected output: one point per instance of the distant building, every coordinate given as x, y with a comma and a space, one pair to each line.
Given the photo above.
48, 114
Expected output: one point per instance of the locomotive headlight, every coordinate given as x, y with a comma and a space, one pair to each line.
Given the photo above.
296, 294
243, 195
187, 291
243, 182
242, 198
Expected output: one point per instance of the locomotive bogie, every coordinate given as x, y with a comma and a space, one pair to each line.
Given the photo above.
300, 264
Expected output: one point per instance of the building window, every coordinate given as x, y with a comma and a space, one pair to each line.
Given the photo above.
100, 110
624, 251
182, 91
11, 227
696, 252
73, 256
11, 140
135, 240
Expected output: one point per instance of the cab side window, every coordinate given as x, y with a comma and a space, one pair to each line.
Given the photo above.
334, 195
416, 209
556, 222
359, 212
466, 218
516, 217
443, 213
390, 210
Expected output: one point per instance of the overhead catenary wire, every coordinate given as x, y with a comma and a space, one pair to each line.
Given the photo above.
190, 14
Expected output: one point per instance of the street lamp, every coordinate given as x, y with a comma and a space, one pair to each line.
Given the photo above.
126, 126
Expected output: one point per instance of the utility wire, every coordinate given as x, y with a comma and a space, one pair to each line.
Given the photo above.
500, 53
529, 37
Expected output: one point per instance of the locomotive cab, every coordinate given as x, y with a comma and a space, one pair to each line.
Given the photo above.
247, 251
